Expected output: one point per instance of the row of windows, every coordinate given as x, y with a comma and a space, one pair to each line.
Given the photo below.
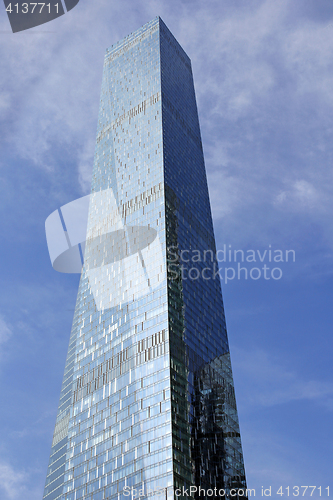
136, 110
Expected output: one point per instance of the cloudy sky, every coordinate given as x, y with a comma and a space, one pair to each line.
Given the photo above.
263, 72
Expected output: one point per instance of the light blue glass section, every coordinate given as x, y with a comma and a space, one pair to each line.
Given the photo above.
118, 429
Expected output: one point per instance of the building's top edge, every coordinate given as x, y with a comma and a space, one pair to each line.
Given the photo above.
130, 38
155, 24
175, 41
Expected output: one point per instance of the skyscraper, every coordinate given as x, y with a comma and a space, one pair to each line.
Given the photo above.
147, 401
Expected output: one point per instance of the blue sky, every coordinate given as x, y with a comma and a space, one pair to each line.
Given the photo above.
263, 74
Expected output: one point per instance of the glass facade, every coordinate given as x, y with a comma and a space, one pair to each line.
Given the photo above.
147, 400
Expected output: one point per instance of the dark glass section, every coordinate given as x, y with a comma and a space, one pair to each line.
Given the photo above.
181, 432
214, 458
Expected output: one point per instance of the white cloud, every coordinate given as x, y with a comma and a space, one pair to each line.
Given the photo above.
254, 70
302, 195
273, 459
308, 55
14, 484
4, 101
270, 382
11, 481
224, 193
263, 81
5, 331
